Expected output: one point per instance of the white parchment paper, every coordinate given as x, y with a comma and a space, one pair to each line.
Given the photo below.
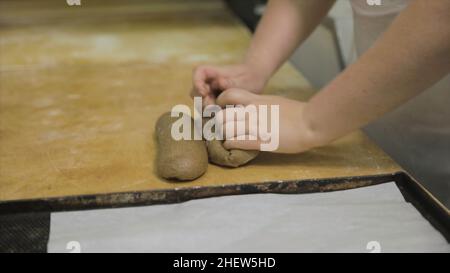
344, 221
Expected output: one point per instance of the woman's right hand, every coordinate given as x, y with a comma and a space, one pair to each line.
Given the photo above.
209, 81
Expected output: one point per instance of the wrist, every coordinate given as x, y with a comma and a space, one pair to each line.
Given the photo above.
312, 136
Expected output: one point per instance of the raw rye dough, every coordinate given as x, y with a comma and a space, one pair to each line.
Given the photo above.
179, 160
228, 158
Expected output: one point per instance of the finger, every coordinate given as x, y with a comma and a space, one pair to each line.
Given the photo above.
231, 114
242, 144
194, 93
224, 116
200, 86
225, 83
235, 96
205, 100
208, 100
221, 84
240, 130
201, 76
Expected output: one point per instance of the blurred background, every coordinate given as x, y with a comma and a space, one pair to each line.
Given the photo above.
328, 49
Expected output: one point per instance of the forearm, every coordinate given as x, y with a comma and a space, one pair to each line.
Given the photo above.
411, 56
285, 24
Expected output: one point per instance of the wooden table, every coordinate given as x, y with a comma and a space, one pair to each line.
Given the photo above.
81, 89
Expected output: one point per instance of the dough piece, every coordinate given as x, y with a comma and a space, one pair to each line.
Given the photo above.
228, 158
181, 160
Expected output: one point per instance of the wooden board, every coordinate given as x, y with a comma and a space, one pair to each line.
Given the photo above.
81, 89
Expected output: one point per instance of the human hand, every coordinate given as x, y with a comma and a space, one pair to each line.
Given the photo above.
294, 133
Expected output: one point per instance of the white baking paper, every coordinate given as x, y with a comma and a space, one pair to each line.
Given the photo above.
375, 218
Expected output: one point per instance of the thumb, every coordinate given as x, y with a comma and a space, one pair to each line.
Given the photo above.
235, 96
234, 143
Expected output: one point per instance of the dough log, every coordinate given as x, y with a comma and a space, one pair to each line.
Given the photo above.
181, 160
228, 158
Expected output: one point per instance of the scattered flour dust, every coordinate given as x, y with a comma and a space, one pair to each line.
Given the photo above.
43, 102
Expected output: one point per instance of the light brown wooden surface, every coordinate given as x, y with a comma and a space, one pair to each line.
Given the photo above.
81, 89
